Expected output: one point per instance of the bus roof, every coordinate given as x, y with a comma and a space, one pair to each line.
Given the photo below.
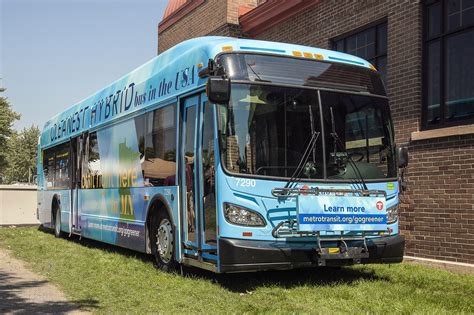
163, 78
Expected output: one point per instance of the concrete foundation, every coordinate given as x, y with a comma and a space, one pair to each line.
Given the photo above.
18, 205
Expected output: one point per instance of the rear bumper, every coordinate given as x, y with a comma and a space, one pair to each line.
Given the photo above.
247, 255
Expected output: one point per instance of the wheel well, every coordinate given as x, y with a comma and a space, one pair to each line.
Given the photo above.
157, 205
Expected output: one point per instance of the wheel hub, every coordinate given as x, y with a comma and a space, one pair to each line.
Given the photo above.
164, 240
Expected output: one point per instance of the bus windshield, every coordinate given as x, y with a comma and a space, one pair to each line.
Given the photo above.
265, 130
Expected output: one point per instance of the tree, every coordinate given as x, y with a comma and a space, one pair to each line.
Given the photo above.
21, 155
7, 118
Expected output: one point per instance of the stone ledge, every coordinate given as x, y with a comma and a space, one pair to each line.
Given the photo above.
442, 132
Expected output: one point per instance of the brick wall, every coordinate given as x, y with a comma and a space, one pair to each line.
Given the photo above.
437, 215
209, 16
438, 210
233, 7
213, 17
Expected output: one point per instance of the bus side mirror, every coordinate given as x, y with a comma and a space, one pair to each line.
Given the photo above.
218, 89
402, 157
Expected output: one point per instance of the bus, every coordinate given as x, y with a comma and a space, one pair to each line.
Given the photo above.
231, 155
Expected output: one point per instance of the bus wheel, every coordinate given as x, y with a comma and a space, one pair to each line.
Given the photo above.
57, 223
163, 244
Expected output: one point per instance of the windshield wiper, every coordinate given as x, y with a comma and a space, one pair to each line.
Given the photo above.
307, 152
338, 142
304, 159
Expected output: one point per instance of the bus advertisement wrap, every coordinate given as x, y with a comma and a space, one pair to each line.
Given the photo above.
154, 164
341, 213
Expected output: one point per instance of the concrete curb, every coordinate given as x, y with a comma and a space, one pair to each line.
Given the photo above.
442, 264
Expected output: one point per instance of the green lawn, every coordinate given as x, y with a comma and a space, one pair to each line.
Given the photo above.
104, 278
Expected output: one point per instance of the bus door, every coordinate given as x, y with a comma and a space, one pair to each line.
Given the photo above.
197, 179
77, 150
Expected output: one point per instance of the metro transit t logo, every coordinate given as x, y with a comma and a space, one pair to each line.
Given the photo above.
379, 205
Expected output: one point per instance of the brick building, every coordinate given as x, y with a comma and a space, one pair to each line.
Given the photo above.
424, 50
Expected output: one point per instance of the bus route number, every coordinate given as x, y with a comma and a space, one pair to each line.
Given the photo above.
245, 182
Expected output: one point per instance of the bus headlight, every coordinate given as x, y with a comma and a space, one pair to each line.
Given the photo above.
242, 216
392, 214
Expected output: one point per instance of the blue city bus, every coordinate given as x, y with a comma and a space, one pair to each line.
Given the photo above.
231, 155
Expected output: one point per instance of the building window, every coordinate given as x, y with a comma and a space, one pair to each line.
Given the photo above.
448, 62
369, 44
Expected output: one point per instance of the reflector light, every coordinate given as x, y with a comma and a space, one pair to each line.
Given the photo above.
334, 250
246, 233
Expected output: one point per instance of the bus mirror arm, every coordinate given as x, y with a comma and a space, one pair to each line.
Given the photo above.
402, 155
204, 73
212, 69
403, 182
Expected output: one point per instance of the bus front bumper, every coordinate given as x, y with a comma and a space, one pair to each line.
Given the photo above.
238, 255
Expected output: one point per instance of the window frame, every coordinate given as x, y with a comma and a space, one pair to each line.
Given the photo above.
374, 25
442, 37
52, 152
149, 131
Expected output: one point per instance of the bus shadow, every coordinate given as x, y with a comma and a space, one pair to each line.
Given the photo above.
249, 281
109, 248
317, 277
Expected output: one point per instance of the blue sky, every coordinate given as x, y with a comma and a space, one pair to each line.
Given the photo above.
54, 53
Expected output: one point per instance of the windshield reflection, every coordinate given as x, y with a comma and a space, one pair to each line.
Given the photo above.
363, 125
265, 130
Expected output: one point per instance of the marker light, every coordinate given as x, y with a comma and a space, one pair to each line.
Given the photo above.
372, 67
318, 56
227, 48
242, 216
392, 214
308, 55
200, 65
297, 54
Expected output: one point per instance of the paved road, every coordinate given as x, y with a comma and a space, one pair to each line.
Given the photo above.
22, 291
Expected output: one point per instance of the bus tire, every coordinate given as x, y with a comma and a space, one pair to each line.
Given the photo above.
57, 221
163, 242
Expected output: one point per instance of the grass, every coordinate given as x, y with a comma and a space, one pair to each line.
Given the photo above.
104, 278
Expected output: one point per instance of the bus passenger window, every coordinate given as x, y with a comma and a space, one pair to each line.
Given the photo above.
189, 167
91, 173
61, 177
208, 169
159, 166
48, 167
140, 122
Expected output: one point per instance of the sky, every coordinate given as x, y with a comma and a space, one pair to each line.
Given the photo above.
54, 53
